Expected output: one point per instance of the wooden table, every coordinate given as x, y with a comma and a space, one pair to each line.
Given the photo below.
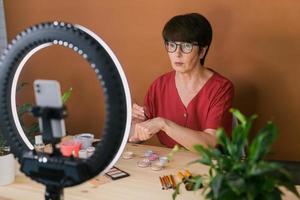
142, 184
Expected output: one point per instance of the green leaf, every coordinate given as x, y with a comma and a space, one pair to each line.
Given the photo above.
224, 141
206, 155
239, 116
176, 191
23, 109
236, 183
239, 141
261, 144
240, 133
175, 149
216, 185
67, 95
34, 128
225, 163
198, 182
263, 168
249, 122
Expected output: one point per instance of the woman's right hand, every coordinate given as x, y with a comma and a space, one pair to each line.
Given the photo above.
138, 113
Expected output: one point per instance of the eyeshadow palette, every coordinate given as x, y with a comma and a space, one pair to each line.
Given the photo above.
115, 173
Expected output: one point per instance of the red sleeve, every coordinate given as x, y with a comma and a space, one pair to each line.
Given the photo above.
218, 114
149, 102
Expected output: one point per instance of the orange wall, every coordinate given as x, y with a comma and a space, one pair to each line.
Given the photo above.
256, 44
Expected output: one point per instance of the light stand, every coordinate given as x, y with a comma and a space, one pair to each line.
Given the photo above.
54, 190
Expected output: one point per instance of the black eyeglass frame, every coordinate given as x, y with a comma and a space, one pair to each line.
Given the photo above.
180, 44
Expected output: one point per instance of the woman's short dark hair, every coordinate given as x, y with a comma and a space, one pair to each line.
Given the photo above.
191, 27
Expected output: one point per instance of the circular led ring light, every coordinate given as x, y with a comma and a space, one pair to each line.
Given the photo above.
108, 70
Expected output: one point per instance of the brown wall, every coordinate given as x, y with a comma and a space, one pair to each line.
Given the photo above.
256, 44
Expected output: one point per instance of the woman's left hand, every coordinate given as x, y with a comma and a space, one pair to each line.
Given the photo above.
145, 130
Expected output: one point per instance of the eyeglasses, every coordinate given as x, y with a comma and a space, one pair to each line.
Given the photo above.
185, 47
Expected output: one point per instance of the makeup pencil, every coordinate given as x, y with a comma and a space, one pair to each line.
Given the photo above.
188, 174
168, 182
173, 181
162, 183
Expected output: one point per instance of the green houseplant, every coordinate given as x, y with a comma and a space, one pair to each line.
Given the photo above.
231, 175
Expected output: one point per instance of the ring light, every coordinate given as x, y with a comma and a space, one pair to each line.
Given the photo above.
113, 81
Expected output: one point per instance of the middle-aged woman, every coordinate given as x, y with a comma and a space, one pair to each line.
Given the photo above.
187, 105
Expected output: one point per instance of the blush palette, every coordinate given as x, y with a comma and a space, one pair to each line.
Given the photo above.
115, 173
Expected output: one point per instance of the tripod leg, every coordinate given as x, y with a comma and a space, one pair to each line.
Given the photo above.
54, 193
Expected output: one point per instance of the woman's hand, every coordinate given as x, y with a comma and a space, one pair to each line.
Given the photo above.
145, 130
138, 114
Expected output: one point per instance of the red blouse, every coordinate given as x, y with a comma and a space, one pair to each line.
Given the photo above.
207, 110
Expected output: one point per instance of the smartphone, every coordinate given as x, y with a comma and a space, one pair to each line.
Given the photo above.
48, 94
